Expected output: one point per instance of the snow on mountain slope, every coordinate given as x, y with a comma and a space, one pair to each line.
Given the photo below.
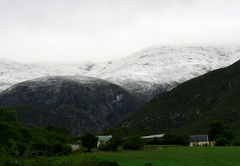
147, 72
13, 72
158, 69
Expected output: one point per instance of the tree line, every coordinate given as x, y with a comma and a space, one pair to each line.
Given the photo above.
16, 140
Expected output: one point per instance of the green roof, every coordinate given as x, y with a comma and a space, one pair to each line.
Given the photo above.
104, 138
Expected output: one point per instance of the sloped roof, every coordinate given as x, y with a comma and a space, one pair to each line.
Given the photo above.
104, 138
152, 136
198, 138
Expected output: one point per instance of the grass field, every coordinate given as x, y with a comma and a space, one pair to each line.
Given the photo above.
167, 156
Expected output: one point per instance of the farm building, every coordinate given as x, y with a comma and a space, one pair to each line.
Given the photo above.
199, 140
103, 139
152, 136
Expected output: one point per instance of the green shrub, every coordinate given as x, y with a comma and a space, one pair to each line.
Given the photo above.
90, 161
108, 163
112, 144
236, 141
7, 115
51, 134
22, 147
7, 131
42, 161
59, 148
222, 141
39, 145
74, 139
67, 149
133, 143
169, 138
155, 141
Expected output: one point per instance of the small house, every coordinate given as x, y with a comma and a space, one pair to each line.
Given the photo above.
102, 140
199, 140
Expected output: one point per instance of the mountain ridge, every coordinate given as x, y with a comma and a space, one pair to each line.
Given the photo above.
83, 104
147, 72
193, 105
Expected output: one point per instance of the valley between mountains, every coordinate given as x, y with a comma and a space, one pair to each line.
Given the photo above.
88, 97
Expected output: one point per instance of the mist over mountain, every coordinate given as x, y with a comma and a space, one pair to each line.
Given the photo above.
147, 72
82, 104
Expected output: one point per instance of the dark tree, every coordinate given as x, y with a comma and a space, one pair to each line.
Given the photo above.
219, 129
133, 143
7, 115
89, 141
169, 138
113, 143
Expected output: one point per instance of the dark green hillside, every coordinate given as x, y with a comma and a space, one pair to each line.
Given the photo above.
191, 106
32, 117
82, 104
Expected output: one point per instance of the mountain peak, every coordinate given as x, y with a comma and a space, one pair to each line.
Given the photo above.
148, 72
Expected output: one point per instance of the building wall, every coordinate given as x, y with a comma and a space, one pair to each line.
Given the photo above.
199, 144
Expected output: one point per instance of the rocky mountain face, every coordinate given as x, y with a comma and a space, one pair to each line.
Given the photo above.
147, 72
82, 104
193, 105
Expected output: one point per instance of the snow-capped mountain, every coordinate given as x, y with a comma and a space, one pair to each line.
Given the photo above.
82, 104
158, 69
13, 72
147, 72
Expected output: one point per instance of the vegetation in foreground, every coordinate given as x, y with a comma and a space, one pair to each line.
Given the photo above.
159, 156
47, 146
17, 141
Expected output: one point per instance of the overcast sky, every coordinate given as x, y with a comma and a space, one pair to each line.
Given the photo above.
102, 30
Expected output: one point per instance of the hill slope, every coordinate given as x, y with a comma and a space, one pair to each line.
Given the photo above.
146, 72
83, 104
191, 106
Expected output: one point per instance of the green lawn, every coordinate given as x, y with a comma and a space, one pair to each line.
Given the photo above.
173, 156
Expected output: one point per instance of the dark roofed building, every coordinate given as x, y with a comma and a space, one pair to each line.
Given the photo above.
199, 140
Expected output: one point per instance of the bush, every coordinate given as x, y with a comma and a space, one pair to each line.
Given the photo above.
74, 139
90, 161
59, 148
7, 115
112, 144
236, 141
51, 134
109, 163
155, 141
22, 147
6, 159
39, 145
41, 161
182, 140
67, 149
133, 143
19, 140
222, 141
8, 131
169, 138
